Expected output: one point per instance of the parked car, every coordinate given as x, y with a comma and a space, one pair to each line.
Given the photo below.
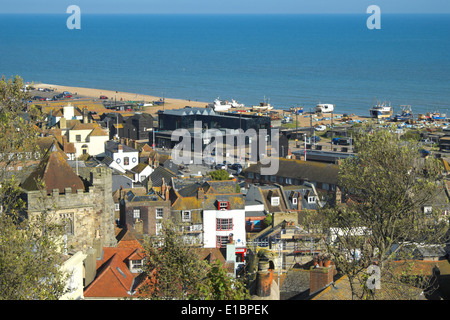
315, 139
58, 96
320, 128
221, 166
237, 167
103, 97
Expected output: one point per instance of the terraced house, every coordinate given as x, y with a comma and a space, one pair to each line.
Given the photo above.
323, 176
212, 213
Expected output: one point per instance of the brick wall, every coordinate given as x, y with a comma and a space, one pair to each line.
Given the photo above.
320, 277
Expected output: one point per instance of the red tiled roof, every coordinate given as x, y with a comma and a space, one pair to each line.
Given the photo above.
114, 279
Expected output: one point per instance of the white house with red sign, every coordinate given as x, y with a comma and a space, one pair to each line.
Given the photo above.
214, 209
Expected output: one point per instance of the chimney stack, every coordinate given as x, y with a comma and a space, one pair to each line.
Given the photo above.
201, 193
321, 275
264, 279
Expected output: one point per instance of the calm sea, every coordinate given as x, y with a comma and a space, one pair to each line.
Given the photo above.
288, 60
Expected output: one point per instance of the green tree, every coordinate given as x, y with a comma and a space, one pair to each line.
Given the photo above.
30, 255
220, 174
387, 183
268, 220
219, 285
176, 271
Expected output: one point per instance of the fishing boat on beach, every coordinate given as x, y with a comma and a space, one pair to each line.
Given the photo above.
381, 111
438, 116
324, 108
235, 104
406, 114
220, 105
263, 106
224, 105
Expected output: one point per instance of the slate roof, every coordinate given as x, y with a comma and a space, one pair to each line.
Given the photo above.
119, 180
302, 170
112, 146
295, 285
272, 191
253, 196
304, 192
158, 174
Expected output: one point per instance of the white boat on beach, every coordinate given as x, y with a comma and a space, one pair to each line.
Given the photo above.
235, 104
381, 111
224, 105
324, 107
220, 105
263, 106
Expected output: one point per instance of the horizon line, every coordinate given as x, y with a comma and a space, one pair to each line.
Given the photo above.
225, 13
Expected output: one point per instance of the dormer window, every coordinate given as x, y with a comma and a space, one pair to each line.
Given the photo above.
186, 216
224, 205
311, 199
275, 201
294, 201
136, 266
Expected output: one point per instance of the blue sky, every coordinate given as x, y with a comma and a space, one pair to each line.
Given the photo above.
225, 6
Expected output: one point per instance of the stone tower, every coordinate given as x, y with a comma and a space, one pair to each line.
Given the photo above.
83, 204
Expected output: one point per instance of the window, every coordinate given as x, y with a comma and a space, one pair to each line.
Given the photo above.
78, 138
311, 199
294, 200
224, 224
67, 220
136, 266
250, 175
185, 215
221, 241
224, 205
275, 201
136, 213
126, 161
288, 181
273, 178
117, 206
159, 213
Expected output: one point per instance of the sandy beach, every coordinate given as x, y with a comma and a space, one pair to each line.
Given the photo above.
170, 103
124, 96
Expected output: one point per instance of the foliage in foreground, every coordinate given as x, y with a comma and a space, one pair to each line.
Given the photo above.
30, 257
386, 186
177, 271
